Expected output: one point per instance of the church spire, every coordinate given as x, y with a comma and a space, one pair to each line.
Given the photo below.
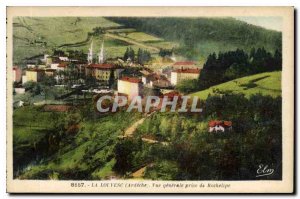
173, 57
90, 54
101, 54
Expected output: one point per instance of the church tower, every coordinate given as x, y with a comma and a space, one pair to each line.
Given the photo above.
90, 54
101, 54
173, 57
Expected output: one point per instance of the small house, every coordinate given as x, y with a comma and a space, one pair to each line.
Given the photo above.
34, 75
216, 126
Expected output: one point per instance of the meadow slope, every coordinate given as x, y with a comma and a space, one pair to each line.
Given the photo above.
268, 83
38, 35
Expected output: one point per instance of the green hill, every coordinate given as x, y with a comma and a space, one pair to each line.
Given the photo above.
201, 36
38, 35
193, 38
264, 83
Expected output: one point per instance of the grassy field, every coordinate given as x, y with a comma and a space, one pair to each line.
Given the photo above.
113, 47
30, 124
264, 83
38, 35
58, 30
143, 37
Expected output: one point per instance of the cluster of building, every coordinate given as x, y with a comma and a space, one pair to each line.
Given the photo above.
51, 66
104, 71
165, 78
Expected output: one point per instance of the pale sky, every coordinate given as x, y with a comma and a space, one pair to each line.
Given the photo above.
273, 23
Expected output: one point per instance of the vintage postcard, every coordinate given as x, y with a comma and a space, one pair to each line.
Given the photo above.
150, 99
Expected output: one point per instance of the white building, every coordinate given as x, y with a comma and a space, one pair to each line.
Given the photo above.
24, 79
184, 74
20, 90
30, 65
63, 58
130, 86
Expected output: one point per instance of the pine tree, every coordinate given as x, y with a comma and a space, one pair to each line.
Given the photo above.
131, 54
126, 54
277, 60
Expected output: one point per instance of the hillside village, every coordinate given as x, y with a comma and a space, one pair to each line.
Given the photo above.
58, 75
97, 75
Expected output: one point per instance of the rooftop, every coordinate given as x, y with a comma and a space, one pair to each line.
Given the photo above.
62, 64
50, 70
184, 63
155, 77
162, 83
35, 70
131, 79
214, 123
57, 108
187, 71
101, 66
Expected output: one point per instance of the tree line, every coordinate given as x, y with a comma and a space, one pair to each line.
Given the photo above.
142, 56
235, 64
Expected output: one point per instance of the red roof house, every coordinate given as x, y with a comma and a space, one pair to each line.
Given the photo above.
219, 126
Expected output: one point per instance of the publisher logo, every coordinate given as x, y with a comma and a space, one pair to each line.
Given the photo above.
264, 170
